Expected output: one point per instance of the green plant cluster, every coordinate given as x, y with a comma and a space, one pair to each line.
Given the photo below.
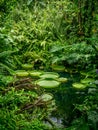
24, 106
11, 119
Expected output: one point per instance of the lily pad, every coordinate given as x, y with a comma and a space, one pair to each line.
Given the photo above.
87, 80
27, 66
47, 97
49, 75
62, 79
79, 85
58, 68
35, 73
21, 73
48, 83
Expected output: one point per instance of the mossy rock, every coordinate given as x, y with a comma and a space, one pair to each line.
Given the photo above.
49, 75
44, 83
79, 85
47, 97
21, 73
27, 66
58, 68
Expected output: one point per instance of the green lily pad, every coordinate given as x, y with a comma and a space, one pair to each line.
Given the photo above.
47, 97
58, 68
27, 66
48, 83
21, 73
62, 80
35, 73
49, 75
87, 80
79, 85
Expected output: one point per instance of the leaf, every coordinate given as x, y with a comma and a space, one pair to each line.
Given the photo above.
49, 75
27, 66
48, 83
56, 48
58, 68
5, 53
35, 73
7, 68
47, 97
79, 85
29, 2
21, 73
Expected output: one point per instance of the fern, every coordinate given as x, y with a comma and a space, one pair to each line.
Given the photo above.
5, 67
80, 53
5, 54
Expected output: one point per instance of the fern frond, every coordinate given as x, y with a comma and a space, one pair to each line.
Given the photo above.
3, 66
6, 53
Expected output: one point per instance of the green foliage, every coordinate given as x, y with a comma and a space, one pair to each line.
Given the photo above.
6, 50
80, 54
89, 108
15, 112
16, 122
